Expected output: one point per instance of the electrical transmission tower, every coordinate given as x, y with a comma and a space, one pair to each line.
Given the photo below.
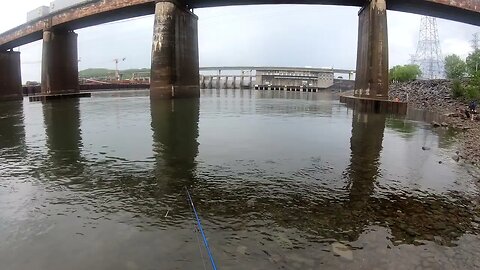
429, 54
475, 42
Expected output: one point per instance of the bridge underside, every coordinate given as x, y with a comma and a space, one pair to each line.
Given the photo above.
466, 11
175, 69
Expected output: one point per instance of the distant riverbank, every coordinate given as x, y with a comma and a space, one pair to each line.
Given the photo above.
435, 96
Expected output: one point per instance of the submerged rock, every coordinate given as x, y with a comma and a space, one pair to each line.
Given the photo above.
342, 251
242, 250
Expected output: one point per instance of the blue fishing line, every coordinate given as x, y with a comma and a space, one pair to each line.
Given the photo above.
201, 231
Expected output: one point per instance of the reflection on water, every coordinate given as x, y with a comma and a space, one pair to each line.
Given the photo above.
281, 180
64, 139
12, 134
175, 134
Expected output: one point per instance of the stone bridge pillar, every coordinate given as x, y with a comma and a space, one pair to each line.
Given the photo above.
59, 62
175, 63
372, 52
10, 76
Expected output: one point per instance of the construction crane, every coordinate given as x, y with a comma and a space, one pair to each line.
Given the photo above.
117, 72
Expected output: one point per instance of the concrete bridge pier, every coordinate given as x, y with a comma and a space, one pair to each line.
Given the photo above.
210, 83
10, 76
59, 62
175, 62
372, 52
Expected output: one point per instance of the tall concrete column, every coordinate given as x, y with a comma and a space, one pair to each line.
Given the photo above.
10, 76
372, 52
59, 62
175, 63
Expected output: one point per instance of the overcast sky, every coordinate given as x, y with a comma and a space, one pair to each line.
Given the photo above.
279, 35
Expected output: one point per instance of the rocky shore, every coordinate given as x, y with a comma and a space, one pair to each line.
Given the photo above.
435, 96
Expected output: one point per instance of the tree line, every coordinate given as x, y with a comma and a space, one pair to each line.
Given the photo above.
465, 74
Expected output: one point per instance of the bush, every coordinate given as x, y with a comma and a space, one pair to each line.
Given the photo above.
404, 73
454, 67
473, 63
471, 92
457, 89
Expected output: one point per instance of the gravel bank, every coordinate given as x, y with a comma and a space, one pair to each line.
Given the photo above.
435, 96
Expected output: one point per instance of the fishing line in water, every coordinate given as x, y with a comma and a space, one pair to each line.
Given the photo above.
200, 228
196, 231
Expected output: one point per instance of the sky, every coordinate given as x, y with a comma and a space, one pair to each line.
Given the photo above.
269, 35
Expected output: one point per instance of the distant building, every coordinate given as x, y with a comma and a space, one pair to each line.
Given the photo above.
294, 78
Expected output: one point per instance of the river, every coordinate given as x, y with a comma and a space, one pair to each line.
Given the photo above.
281, 180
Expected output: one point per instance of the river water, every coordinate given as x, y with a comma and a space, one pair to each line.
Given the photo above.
281, 180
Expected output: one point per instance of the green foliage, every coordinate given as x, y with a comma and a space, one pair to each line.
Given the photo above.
404, 73
469, 91
106, 73
454, 67
96, 73
473, 87
457, 89
473, 62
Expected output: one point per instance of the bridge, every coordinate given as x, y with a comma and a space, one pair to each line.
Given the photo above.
175, 62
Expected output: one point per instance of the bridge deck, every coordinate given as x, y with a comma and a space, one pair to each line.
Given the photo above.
103, 11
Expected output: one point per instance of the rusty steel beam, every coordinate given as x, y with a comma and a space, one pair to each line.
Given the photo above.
76, 18
465, 11
471, 5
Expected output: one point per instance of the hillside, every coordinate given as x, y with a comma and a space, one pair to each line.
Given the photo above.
103, 72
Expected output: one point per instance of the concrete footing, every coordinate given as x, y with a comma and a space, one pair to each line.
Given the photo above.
59, 62
10, 76
175, 62
374, 105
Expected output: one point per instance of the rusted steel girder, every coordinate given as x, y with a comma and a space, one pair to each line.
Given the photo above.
471, 5
75, 18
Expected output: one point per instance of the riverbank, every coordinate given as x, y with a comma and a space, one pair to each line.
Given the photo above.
435, 96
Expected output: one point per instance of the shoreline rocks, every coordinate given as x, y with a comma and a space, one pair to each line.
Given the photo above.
435, 96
